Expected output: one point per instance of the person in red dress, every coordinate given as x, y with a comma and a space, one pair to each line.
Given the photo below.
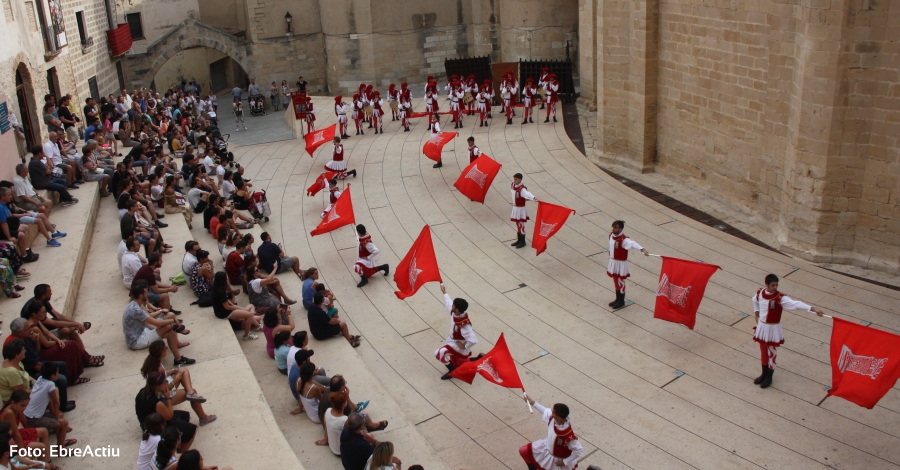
365, 262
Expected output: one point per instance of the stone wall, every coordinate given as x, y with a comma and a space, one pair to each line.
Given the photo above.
789, 108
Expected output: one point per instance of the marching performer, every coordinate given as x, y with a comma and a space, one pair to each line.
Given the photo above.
340, 109
337, 162
561, 449
332, 196
519, 212
367, 98
456, 95
365, 262
542, 82
474, 152
435, 130
488, 88
404, 91
507, 90
404, 111
429, 108
428, 81
457, 348
362, 96
528, 91
451, 80
310, 116
768, 305
483, 99
617, 269
472, 88
358, 113
552, 97
394, 102
377, 112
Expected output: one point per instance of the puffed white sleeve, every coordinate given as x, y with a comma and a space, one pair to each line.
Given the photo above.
791, 304
469, 334
544, 411
448, 302
630, 244
372, 249
577, 452
755, 301
528, 195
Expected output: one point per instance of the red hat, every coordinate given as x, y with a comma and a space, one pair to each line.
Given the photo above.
487, 81
545, 69
430, 78
368, 87
376, 93
403, 85
392, 86
355, 96
552, 76
472, 76
362, 85
338, 98
529, 80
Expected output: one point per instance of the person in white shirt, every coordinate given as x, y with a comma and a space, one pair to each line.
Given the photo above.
457, 348
209, 164
26, 197
190, 256
131, 261
561, 449
153, 429
228, 187
52, 153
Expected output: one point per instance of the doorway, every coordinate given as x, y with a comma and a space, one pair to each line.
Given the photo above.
53, 83
217, 75
27, 118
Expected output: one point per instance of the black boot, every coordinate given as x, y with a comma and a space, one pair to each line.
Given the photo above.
485, 123
370, 125
542, 106
614, 301
385, 268
351, 172
521, 243
547, 120
508, 122
524, 121
407, 129
357, 132
438, 164
531, 466
515, 242
768, 379
762, 377
554, 118
620, 301
481, 124
446, 376
531, 120
363, 282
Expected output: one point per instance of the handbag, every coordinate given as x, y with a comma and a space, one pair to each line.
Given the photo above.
205, 300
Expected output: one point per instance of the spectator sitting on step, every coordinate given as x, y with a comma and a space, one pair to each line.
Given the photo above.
276, 320
328, 301
154, 398
143, 324
12, 231
225, 306
211, 210
43, 410
42, 177
61, 325
192, 460
357, 443
383, 457
25, 195
282, 341
54, 158
54, 349
201, 275
234, 263
91, 171
273, 259
174, 377
310, 392
339, 406
31, 360
264, 291
190, 256
323, 327
19, 219
198, 199
34, 439
158, 292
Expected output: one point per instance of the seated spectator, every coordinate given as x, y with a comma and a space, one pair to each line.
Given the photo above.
172, 206
216, 220
92, 171
230, 245
174, 377
228, 186
197, 199
43, 406
224, 306
282, 341
9, 252
260, 289
31, 362
54, 159
310, 281
241, 195
191, 247
41, 177
234, 263
37, 439
328, 301
141, 328
272, 257
158, 292
25, 195
64, 327
310, 392
143, 234
131, 261
323, 327
210, 211
54, 349
201, 275
334, 423
276, 320
8, 281
338, 384
166, 457
154, 398
19, 219
357, 444
12, 374
383, 457
153, 428
192, 460
12, 231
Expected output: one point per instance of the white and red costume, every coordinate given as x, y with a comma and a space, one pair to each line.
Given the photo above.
618, 259
337, 162
542, 81
769, 333
483, 99
404, 110
310, 115
456, 95
340, 109
528, 95
519, 212
365, 262
471, 87
393, 101
428, 82
405, 92
561, 444
508, 91
460, 330
474, 153
331, 196
488, 87
552, 88
377, 111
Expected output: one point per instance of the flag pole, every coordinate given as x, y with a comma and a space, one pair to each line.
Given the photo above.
530, 409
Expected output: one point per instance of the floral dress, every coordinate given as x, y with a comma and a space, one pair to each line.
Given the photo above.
199, 284
7, 277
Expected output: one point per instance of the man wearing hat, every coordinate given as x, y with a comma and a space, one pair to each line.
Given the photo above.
483, 98
358, 106
367, 98
552, 88
428, 81
340, 110
508, 89
394, 101
471, 87
405, 91
529, 91
456, 95
310, 116
377, 111
542, 81
488, 88
404, 111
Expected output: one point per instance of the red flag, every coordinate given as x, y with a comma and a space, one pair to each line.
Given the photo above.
865, 362
680, 290
496, 366
476, 179
321, 183
419, 114
432, 149
315, 139
418, 266
341, 214
550, 218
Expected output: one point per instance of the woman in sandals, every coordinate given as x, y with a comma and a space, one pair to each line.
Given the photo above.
224, 306
52, 348
34, 438
174, 377
154, 398
265, 291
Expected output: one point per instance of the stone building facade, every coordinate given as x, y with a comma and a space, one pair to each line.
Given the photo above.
789, 108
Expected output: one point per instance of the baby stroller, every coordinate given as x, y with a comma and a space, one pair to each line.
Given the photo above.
257, 105
220, 147
259, 206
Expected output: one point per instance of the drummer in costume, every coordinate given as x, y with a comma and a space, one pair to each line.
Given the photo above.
552, 96
519, 214
768, 304
377, 111
310, 115
340, 110
542, 83
394, 102
561, 449
358, 113
457, 348
617, 269
472, 90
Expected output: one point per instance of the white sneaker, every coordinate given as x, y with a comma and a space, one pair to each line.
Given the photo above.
250, 336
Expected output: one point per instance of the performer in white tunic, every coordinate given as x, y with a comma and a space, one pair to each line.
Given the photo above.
552, 87
561, 449
358, 114
365, 262
456, 105
457, 348
483, 99
337, 162
519, 212
768, 305
542, 82
340, 109
474, 152
405, 110
617, 269
331, 196
529, 91
394, 101
435, 131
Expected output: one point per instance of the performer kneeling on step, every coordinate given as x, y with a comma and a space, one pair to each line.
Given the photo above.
519, 212
619, 244
365, 262
457, 348
768, 304
561, 449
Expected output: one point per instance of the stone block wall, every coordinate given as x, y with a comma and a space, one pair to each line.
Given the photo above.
791, 108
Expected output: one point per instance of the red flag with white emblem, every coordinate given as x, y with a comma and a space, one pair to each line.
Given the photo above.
550, 218
317, 138
496, 366
341, 214
476, 179
418, 266
679, 292
865, 362
321, 183
435, 145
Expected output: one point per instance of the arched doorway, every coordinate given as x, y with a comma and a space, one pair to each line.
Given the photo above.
210, 68
27, 108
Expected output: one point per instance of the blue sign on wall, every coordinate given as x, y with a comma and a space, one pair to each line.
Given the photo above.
4, 118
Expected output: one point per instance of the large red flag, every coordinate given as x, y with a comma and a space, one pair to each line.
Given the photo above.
476, 179
550, 218
865, 362
321, 183
419, 114
317, 138
418, 266
496, 366
341, 214
680, 290
435, 145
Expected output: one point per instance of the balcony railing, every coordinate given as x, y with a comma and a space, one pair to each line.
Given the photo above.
119, 40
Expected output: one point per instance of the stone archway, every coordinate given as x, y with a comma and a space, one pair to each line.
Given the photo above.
29, 114
189, 34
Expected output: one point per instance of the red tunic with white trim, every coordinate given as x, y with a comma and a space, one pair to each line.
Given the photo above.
474, 153
770, 305
332, 195
519, 195
560, 444
618, 254
366, 252
337, 162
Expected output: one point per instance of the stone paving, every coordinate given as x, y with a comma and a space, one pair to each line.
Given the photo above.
616, 370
